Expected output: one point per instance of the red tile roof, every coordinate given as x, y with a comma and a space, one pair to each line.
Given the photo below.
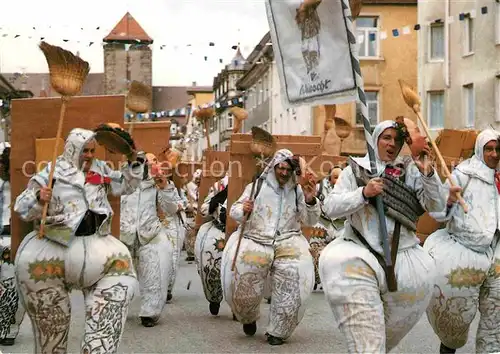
128, 29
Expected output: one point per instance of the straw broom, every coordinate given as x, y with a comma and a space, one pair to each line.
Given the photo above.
203, 115
138, 100
413, 101
262, 146
67, 76
239, 115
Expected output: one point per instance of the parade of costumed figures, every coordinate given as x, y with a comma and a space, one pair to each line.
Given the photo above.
177, 224
465, 251
72, 246
210, 239
210, 242
411, 186
11, 308
141, 229
269, 213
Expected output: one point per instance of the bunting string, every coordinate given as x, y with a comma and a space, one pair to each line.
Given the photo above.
36, 35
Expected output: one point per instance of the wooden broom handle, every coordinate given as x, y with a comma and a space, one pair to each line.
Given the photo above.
207, 134
440, 158
64, 100
243, 225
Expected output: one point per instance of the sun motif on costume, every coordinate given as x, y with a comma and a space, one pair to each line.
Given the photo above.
466, 277
220, 244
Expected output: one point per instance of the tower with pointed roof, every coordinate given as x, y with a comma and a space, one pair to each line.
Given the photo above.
127, 56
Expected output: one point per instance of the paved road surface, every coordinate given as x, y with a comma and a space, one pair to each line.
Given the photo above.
187, 327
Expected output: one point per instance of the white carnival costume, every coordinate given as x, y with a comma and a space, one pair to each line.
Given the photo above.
11, 309
467, 256
143, 233
352, 268
192, 194
76, 252
332, 228
210, 242
272, 243
175, 226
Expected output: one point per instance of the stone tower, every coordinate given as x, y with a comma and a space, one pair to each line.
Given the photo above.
127, 56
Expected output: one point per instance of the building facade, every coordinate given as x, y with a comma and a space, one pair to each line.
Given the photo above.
194, 145
263, 96
384, 59
226, 95
459, 63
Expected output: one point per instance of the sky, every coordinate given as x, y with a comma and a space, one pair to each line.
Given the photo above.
173, 25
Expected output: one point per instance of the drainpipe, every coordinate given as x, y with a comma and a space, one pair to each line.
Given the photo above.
270, 78
447, 44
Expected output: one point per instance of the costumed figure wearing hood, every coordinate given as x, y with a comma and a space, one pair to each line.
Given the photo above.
11, 309
272, 243
192, 196
176, 225
332, 228
352, 268
210, 241
467, 254
142, 231
77, 250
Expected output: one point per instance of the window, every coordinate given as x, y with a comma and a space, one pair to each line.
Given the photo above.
373, 111
468, 35
230, 122
436, 42
436, 109
367, 29
469, 105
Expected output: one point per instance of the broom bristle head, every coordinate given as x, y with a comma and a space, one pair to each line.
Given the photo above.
204, 114
409, 95
342, 127
239, 113
68, 72
259, 134
139, 97
355, 6
263, 143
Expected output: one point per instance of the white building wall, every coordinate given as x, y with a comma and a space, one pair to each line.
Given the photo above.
459, 67
287, 121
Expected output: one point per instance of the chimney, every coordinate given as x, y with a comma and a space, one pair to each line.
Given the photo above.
194, 83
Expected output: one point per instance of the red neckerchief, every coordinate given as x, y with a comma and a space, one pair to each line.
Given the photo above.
95, 178
393, 171
497, 181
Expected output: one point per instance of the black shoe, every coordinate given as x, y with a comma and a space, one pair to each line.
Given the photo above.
250, 328
7, 341
274, 340
269, 301
169, 296
214, 308
189, 259
148, 322
234, 317
315, 287
444, 349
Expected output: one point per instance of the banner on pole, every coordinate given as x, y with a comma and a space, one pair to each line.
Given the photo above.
312, 51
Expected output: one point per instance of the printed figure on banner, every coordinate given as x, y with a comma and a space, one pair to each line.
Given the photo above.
312, 50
